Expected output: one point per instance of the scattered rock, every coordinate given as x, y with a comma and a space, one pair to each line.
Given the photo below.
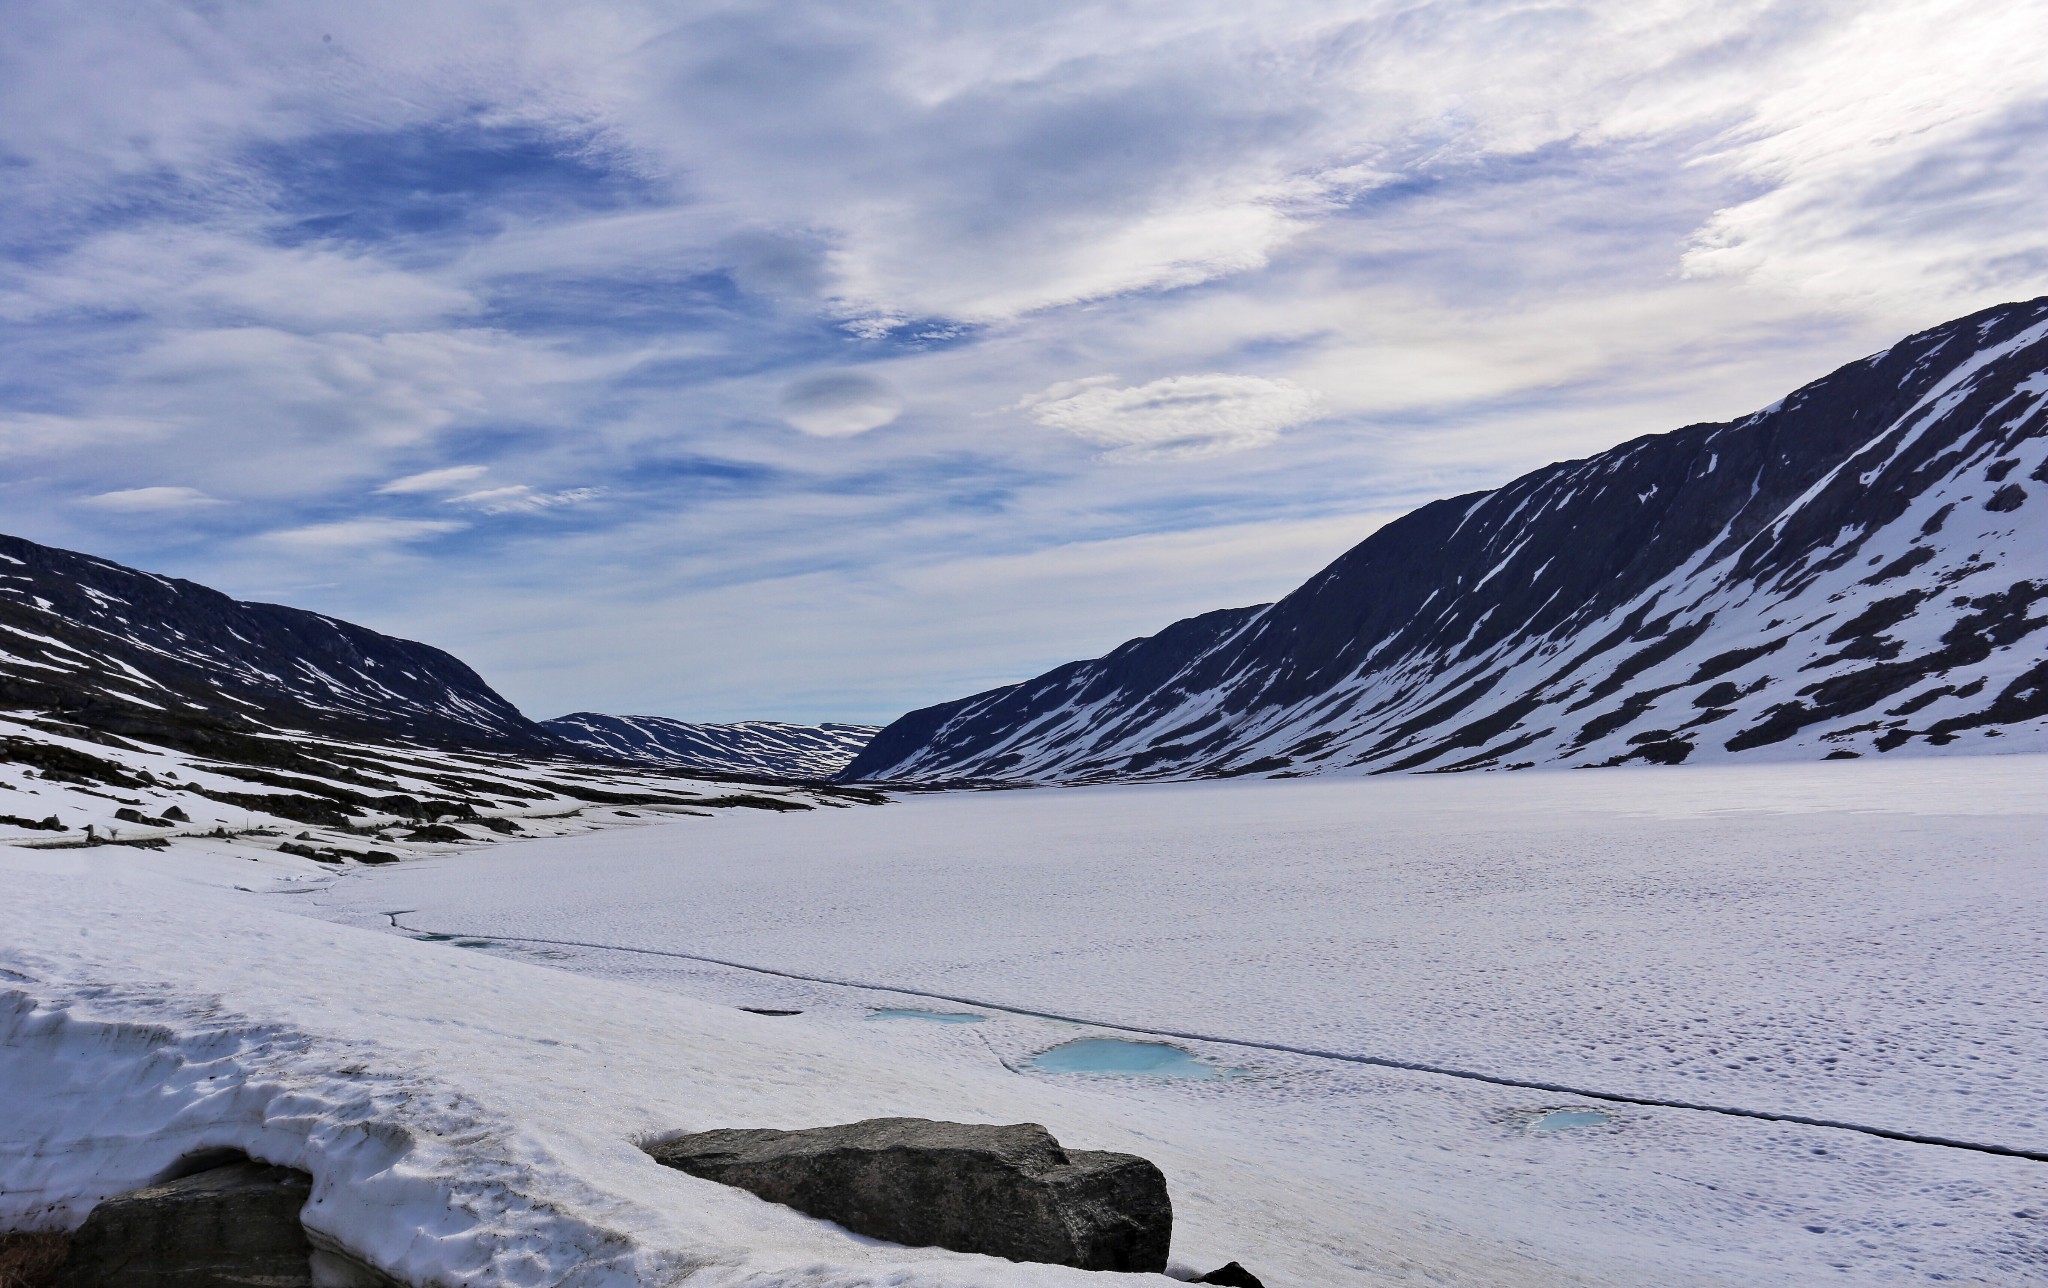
50, 824
1005, 1191
748, 801
234, 1225
767, 1010
375, 857
2007, 499
502, 826
1233, 1276
437, 832
136, 816
177, 815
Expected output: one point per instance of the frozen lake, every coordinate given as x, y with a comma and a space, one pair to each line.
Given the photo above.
1862, 943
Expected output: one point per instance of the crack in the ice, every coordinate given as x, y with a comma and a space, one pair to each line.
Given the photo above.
1379, 1062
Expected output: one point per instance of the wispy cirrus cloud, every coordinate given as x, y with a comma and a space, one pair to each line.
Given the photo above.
150, 500
447, 478
1176, 416
518, 498
344, 536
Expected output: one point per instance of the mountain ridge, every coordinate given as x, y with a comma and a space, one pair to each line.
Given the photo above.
129, 651
100, 646
742, 747
1447, 637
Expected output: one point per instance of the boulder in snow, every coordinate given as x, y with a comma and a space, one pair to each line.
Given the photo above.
237, 1224
1005, 1191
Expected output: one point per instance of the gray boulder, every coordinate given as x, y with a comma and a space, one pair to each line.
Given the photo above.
235, 1226
1005, 1191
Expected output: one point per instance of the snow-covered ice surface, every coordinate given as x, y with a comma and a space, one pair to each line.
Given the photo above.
1860, 942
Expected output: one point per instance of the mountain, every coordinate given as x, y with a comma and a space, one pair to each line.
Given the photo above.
133, 653
1856, 569
749, 747
135, 707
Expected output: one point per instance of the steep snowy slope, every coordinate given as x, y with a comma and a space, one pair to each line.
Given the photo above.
140, 708
749, 747
131, 652
1856, 569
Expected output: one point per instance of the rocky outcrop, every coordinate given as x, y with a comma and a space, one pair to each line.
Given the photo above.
232, 1225
1232, 1275
1005, 1191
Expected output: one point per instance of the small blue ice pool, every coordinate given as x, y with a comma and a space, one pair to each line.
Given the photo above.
934, 1017
1566, 1119
1129, 1059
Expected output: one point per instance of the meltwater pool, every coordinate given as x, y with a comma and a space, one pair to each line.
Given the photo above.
1127, 1058
1566, 1119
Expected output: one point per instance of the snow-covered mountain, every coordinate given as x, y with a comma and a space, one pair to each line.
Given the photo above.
1857, 569
749, 747
131, 652
141, 708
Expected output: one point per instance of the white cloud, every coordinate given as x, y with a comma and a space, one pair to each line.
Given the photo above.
202, 276
142, 500
348, 535
519, 498
446, 479
838, 404
1903, 161
1178, 416
49, 434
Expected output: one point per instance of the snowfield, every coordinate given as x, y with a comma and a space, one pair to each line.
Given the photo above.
1406, 972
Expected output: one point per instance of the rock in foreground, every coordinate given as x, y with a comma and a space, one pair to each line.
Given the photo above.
1004, 1191
232, 1225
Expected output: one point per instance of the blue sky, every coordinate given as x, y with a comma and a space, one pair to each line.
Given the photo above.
818, 361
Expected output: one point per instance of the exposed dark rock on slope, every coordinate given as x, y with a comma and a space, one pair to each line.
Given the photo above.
748, 747
1859, 568
133, 653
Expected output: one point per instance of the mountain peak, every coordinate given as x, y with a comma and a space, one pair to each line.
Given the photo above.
1851, 570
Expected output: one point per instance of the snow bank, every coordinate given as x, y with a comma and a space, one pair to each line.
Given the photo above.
465, 1120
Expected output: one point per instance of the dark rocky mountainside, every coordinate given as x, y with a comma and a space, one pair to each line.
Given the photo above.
140, 707
1859, 568
132, 653
764, 747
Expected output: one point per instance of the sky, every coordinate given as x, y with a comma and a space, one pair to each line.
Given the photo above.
823, 361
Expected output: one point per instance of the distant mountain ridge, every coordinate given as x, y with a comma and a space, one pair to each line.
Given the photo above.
135, 707
130, 652
748, 747
1853, 570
